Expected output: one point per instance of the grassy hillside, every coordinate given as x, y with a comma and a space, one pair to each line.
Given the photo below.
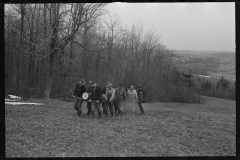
167, 129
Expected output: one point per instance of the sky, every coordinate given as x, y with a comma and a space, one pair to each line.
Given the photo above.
190, 26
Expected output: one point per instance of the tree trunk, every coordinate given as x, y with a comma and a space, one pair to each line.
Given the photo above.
19, 58
31, 52
53, 50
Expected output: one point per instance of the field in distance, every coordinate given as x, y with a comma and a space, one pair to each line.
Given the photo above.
207, 63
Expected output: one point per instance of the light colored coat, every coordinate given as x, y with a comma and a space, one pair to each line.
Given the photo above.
132, 96
112, 92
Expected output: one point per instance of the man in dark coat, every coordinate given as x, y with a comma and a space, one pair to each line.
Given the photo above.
120, 96
141, 94
141, 98
126, 90
79, 90
96, 96
104, 98
89, 90
115, 102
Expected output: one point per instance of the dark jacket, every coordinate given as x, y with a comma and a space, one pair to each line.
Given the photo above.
104, 90
89, 90
79, 90
96, 94
120, 95
141, 96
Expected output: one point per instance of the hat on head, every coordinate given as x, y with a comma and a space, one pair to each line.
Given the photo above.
109, 84
82, 81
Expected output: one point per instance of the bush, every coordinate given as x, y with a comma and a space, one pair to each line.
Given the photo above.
224, 94
182, 94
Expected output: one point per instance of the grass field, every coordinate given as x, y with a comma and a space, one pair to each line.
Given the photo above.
167, 129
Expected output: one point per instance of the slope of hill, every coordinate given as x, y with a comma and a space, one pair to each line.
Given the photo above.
167, 129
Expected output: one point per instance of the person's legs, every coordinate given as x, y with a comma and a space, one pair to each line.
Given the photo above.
105, 108
111, 108
79, 108
93, 109
98, 106
115, 104
141, 108
76, 104
89, 108
120, 107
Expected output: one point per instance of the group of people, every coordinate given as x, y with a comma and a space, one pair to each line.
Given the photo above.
109, 98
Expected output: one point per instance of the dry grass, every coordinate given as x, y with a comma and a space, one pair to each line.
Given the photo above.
167, 129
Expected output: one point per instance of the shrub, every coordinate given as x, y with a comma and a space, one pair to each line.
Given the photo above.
182, 94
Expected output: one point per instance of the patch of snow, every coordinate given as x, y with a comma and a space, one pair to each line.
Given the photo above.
10, 99
19, 103
203, 76
15, 97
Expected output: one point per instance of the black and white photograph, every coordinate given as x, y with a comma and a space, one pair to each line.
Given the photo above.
120, 79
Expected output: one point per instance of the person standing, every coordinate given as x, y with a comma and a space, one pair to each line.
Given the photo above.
89, 90
104, 98
115, 103
110, 95
120, 96
126, 89
96, 96
141, 98
133, 97
79, 90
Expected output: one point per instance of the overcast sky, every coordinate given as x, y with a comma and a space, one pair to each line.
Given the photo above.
192, 26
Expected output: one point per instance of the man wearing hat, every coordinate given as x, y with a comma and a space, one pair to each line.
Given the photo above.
89, 90
79, 90
110, 95
96, 96
141, 98
104, 98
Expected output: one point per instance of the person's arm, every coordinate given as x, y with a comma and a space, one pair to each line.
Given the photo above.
136, 96
116, 94
106, 94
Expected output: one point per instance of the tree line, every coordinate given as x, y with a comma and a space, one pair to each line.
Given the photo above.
49, 47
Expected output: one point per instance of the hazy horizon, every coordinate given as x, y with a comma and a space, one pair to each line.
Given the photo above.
208, 26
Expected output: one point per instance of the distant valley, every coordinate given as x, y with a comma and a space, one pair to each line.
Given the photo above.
208, 64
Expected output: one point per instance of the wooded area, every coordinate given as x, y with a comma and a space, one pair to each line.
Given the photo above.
49, 47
